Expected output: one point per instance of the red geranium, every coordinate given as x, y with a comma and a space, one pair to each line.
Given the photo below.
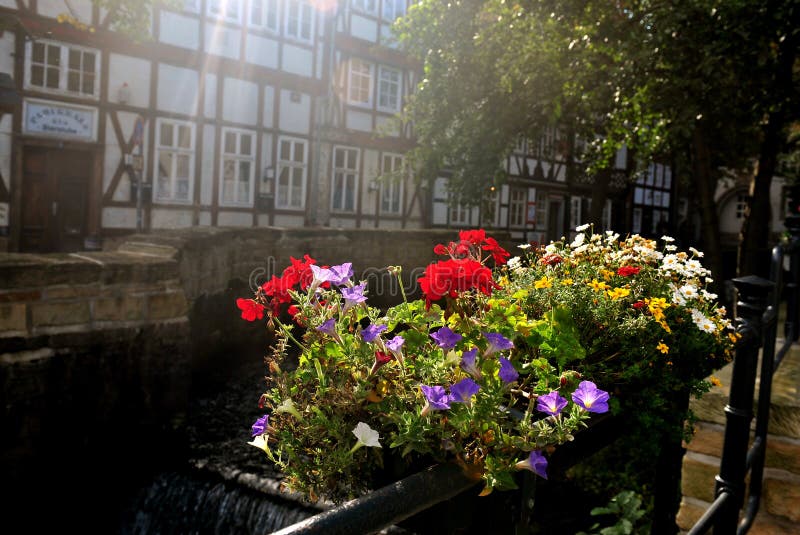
251, 310
449, 277
627, 271
499, 255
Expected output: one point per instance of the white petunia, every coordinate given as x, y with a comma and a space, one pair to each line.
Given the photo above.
581, 228
366, 437
260, 442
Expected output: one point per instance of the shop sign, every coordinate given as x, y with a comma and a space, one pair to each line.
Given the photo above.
59, 120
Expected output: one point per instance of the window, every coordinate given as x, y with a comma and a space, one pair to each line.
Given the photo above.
360, 88
388, 89
229, 10
264, 14
575, 212
392, 186
541, 212
69, 69
652, 197
459, 213
366, 6
344, 180
491, 203
238, 166
299, 20
393, 9
516, 207
192, 6
174, 160
741, 205
606, 216
291, 190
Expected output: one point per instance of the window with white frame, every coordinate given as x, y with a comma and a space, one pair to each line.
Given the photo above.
174, 161
606, 216
63, 68
491, 204
388, 89
238, 167
541, 212
292, 167
393, 9
575, 212
392, 187
360, 82
366, 6
344, 180
264, 14
516, 207
459, 213
228, 10
299, 20
741, 205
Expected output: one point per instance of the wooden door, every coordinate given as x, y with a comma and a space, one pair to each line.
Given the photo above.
55, 193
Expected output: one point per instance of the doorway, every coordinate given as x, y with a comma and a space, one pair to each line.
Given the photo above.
55, 196
555, 218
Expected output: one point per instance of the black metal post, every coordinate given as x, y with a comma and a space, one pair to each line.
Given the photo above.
753, 293
792, 223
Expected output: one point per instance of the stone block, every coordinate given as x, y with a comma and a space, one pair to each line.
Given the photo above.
690, 512
65, 313
782, 495
167, 305
20, 296
70, 291
783, 453
12, 317
766, 524
707, 439
697, 476
121, 308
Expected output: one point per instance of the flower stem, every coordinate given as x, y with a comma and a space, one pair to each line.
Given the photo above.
289, 334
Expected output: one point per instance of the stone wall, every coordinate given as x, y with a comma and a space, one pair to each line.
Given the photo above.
779, 511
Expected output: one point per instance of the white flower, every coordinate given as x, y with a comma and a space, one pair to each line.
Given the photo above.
287, 405
709, 295
698, 254
670, 248
260, 442
524, 246
578, 241
583, 227
702, 322
513, 263
366, 436
668, 239
688, 291
550, 248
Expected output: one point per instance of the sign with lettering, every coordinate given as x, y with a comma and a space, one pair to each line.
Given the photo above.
60, 120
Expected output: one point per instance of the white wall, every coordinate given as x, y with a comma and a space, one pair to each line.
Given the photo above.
234, 219
223, 41
363, 28
210, 104
294, 116
357, 120
179, 30
207, 165
240, 101
133, 71
119, 218
262, 51
165, 218
177, 89
297, 60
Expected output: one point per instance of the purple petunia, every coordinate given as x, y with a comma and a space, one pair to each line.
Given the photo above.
353, 296
536, 463
591, 398
446, 338
469, 364
507, 372
372, 331
260, 425
436, 397
497, 342
328, 327
551, 404
462, 391
340, 275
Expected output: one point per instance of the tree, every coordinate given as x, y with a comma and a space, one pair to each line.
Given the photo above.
692, 81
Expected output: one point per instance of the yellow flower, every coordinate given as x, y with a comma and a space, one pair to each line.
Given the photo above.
544, 282
598, 286
664, 348
665, 326
607, 274
714, 381
566, 282
618, 293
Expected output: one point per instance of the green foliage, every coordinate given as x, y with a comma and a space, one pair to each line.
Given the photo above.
626, 509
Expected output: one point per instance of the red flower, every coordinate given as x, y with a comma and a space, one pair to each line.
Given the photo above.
475, 237
441, 249
551, 259
251, 310
499, 255
293, 310
627, 271
638, 304
449, 277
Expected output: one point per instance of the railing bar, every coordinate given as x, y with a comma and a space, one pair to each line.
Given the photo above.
704, 524
755, 450
787, 345
751, 510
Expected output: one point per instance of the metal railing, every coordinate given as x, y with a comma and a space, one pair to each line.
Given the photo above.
757, 323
